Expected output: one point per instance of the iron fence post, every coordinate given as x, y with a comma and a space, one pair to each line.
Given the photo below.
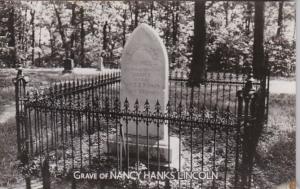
246, 98
46, 174
237, 138
17, 99
17, 83
21, 122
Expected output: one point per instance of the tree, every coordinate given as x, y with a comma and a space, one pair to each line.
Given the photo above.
74, 33
61, 31
11, 36
105, 40
175, 20
228, 39
248, 17
280, 18
258, 45
136, 14
124, 27
32, 13
151, 17
82, 37
198, 61
226, 7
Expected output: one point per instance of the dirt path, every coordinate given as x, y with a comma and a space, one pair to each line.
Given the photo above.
7, 113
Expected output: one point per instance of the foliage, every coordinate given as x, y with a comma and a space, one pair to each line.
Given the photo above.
282, 54
102, 28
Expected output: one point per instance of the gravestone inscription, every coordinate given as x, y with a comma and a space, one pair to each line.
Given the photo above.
144, 74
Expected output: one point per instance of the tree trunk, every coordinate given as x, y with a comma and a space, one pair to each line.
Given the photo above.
111, 43
74, 33
62, 33
23, 31
151, 14
136, 14
198, 61
167, 30
131, 14
226, 7
295, 26
280, 19
40, 47
258, 46
105, 36
82, 38
32, 13
51, 43
175, 19
248, 17
26, 29
12, 40
124, 27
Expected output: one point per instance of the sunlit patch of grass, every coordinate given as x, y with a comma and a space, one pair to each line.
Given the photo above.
7, 93
7, 96
282, 110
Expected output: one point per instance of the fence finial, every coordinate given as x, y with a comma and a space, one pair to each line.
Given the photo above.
168, 108
117, 104
126, 104
147, 105
20, 72
136, 105
157, 106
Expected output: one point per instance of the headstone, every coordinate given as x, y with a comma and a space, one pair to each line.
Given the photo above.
144, 73
144, 76
100, 64
68, 65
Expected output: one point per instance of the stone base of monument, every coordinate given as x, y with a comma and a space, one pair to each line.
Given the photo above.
168, 150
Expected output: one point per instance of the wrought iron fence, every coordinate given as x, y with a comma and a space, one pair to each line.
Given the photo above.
83, 125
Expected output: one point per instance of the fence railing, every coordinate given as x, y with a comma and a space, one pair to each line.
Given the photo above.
83, 125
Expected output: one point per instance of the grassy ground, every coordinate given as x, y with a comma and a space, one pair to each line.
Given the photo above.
7, 94
8, 153
276, 153
36, 79
276, 157
291, 78
8, 144
6, 97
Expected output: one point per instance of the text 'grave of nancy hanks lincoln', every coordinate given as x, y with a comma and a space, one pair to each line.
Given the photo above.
144, 76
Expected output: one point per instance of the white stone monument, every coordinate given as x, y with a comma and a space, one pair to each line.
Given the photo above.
144, 76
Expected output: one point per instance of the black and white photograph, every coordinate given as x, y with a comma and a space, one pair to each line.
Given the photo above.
150, 94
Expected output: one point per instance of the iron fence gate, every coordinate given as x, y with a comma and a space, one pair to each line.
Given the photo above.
82, 125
